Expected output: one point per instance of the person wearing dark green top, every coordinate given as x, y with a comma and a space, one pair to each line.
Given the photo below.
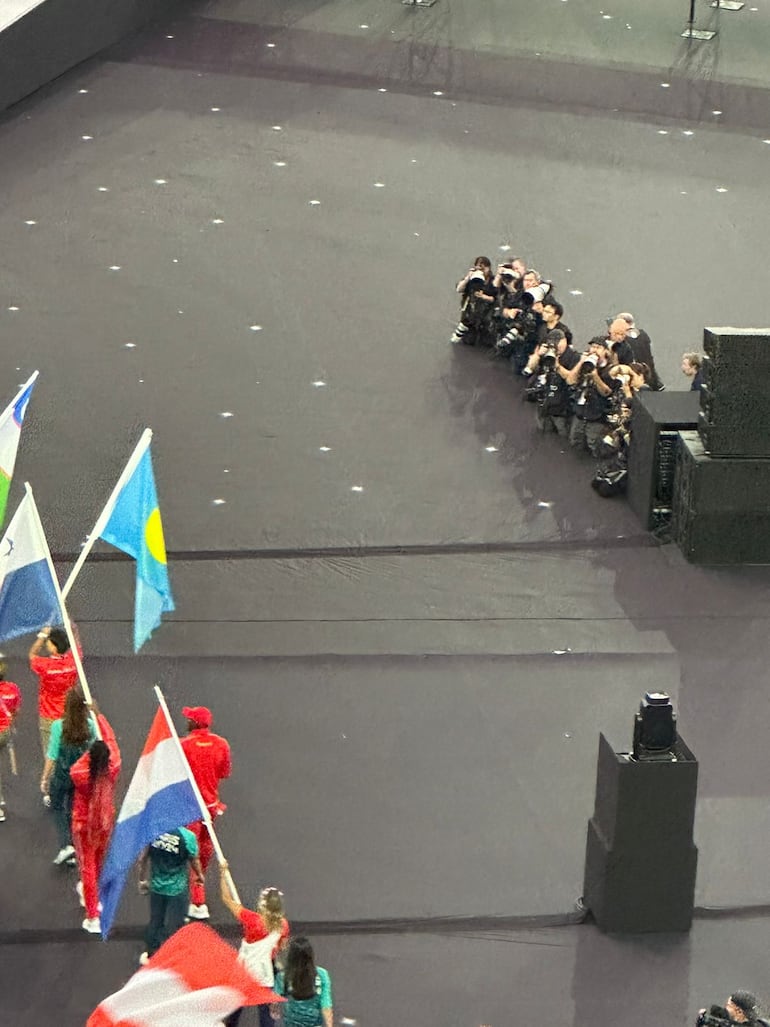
169, 858
70, 737
306, 987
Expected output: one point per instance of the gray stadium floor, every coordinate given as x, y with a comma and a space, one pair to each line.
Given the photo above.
412, 676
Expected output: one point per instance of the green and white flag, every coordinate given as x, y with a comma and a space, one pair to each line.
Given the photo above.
11, 421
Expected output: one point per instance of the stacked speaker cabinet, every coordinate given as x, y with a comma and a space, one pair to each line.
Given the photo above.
721, 501
735, 401
656, 421
640, 856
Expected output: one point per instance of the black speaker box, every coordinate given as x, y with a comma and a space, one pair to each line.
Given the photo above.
721, 506
735, 401
641, 860
737, 432
656, 420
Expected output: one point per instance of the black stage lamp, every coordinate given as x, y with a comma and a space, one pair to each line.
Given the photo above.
655, 733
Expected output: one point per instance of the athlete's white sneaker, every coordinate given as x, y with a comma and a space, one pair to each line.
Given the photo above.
92, 925
198, 912
64, 855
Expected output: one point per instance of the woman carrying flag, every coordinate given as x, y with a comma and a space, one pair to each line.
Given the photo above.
93, 815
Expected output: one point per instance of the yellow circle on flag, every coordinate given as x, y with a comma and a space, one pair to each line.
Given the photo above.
153, 536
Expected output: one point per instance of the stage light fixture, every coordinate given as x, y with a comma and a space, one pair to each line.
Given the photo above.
655, 733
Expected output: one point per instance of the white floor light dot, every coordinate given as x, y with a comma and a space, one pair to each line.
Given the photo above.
356, 488
313, 203
218, 502
255, 328
319, 384
227, 413
325, 449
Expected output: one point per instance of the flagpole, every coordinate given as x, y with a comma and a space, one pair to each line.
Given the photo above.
65, 616
104, 516
206, 815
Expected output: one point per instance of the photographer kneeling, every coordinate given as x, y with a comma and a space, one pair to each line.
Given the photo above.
477, 305
520, 325
548, 369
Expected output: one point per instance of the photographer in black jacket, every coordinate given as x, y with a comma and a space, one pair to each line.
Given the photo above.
741, 1007
547, 370
589, 412
479, 296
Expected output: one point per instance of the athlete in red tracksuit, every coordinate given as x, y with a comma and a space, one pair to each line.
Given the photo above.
209, 758
93, 815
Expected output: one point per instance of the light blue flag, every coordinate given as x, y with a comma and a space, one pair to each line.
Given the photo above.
27, 593
136, 528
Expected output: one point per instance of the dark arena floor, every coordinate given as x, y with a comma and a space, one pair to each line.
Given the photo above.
409, 612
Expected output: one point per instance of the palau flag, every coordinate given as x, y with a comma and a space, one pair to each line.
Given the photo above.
160, 798
27, 592
136, 528
11, 421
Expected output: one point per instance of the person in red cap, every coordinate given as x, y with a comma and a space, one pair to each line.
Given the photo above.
209, 758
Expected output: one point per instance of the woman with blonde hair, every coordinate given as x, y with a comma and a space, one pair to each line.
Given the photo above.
265, 933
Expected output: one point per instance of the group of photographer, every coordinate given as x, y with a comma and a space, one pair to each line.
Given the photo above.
584, 397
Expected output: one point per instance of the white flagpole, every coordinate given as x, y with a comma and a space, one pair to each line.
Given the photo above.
65, 616
206, 815
106, 513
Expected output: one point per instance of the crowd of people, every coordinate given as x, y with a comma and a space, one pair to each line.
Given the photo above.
81, 766
582, 394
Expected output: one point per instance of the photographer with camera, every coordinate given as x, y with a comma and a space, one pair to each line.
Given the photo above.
589, 412
552, 314
613, 448
521, 325
741, 1007
478, 304
548, 369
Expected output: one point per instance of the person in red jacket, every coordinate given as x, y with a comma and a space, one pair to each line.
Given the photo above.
93, 815
56, 672
209, 758
10, 704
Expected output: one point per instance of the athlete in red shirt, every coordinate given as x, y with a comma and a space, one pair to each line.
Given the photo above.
10, 704
93, 815
56, 673
209, 758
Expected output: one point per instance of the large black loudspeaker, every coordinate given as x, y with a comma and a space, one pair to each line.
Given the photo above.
735, 402
721, 510
640, 856
655, 423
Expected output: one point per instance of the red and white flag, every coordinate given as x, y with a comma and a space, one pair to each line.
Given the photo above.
195, 979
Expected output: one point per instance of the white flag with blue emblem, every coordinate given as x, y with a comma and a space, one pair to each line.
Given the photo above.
27, 593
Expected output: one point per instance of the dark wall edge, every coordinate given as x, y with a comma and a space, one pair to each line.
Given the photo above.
57, 35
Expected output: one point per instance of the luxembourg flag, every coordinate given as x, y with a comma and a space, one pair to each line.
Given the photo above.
194, 979
160, 798
28, 596
11, 421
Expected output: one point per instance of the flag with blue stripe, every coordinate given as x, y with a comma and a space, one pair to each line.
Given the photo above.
28, 597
